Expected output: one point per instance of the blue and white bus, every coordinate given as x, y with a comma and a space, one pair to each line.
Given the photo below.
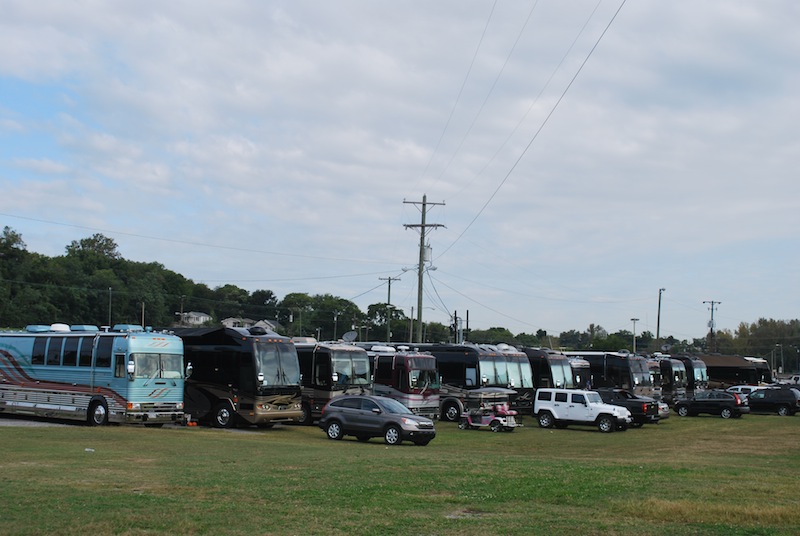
122, 375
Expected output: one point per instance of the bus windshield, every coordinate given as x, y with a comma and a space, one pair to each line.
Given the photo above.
352, 368
640, 372
277, 362
151, 366
423, 378
561, 371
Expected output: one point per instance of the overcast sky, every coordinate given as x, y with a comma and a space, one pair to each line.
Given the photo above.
581, 156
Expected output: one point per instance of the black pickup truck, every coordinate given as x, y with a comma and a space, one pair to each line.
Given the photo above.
643, 408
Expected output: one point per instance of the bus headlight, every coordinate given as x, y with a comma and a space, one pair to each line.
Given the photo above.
134, 406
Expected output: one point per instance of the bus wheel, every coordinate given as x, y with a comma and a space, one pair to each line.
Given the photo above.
451, 412
305, 417
223, 416
98, 414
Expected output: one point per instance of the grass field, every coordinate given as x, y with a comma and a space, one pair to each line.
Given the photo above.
697, 475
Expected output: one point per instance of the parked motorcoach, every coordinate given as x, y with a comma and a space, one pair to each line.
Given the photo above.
727, 370
407, 376
673, 379
122, 375
550, 368
466, 367
619, 369
696, 373
329, 370
241, 376
581, 372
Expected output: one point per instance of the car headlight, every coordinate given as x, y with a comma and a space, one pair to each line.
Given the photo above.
410, 422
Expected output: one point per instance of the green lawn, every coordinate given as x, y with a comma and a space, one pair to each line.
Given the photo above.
697, 475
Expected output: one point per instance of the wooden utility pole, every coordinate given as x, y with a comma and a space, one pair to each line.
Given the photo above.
421, 266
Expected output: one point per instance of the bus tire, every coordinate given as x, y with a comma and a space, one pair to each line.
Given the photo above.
451, 412
305, 418
223, 416
97, 414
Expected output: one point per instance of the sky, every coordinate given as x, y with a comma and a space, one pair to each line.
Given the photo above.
577, 157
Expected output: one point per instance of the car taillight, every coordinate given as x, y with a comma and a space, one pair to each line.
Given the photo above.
644, 408
738, 400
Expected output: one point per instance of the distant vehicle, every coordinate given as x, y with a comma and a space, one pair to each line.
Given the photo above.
367, 416
492, 412
409, 377
643, 409
781, 400
329, 370
744, 390
550, 368
763, 371
466, 367
563, 407
581, 372
696, 373
714, 402
241, 376
663, 410
727, 370
121, 375
622, 370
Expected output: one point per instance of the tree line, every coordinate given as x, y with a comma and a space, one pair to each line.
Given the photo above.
91, 283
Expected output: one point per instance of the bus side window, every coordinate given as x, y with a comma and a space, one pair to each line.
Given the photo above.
472, 377
85, 354
54, 351
120, 366
71, 351
37, 357
103, 357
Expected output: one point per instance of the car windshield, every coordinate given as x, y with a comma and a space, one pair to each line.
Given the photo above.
593, 398
393, 406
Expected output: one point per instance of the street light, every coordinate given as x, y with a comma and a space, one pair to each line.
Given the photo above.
634, 320
658, 321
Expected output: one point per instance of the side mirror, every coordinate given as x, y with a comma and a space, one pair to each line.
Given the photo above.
131, 367
189, 369
484, 380
376, 411
260, 378
335, 377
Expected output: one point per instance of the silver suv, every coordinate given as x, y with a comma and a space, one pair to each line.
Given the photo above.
562, 407
366, 416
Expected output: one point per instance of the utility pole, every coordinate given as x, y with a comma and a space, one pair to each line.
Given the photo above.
389, 307
658, 321
634, 320
422, 226
711, 337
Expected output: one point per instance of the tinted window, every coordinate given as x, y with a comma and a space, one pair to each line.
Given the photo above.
104, 352
368, 405
561, 397
758, 395
544, 395
85, 356
352, 403
37, 357
54, 350
71, 351
578, 398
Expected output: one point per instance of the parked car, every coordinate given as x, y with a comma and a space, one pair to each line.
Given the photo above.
663, 410
780, 400
715, 402
744, 390
643, 408
562, 407
367, 416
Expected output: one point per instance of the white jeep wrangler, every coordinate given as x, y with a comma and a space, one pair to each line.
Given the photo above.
562, 407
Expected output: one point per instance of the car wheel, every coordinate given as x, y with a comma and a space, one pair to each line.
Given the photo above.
546, 419
463, 424
605, 424
683, 411
334, 430
223, 416
783, 411
97, 414
495, 426
451, 412
726, 413
392, 435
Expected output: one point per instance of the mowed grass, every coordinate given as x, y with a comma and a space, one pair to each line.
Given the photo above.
698, 475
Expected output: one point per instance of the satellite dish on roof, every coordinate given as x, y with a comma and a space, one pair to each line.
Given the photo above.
350, 336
